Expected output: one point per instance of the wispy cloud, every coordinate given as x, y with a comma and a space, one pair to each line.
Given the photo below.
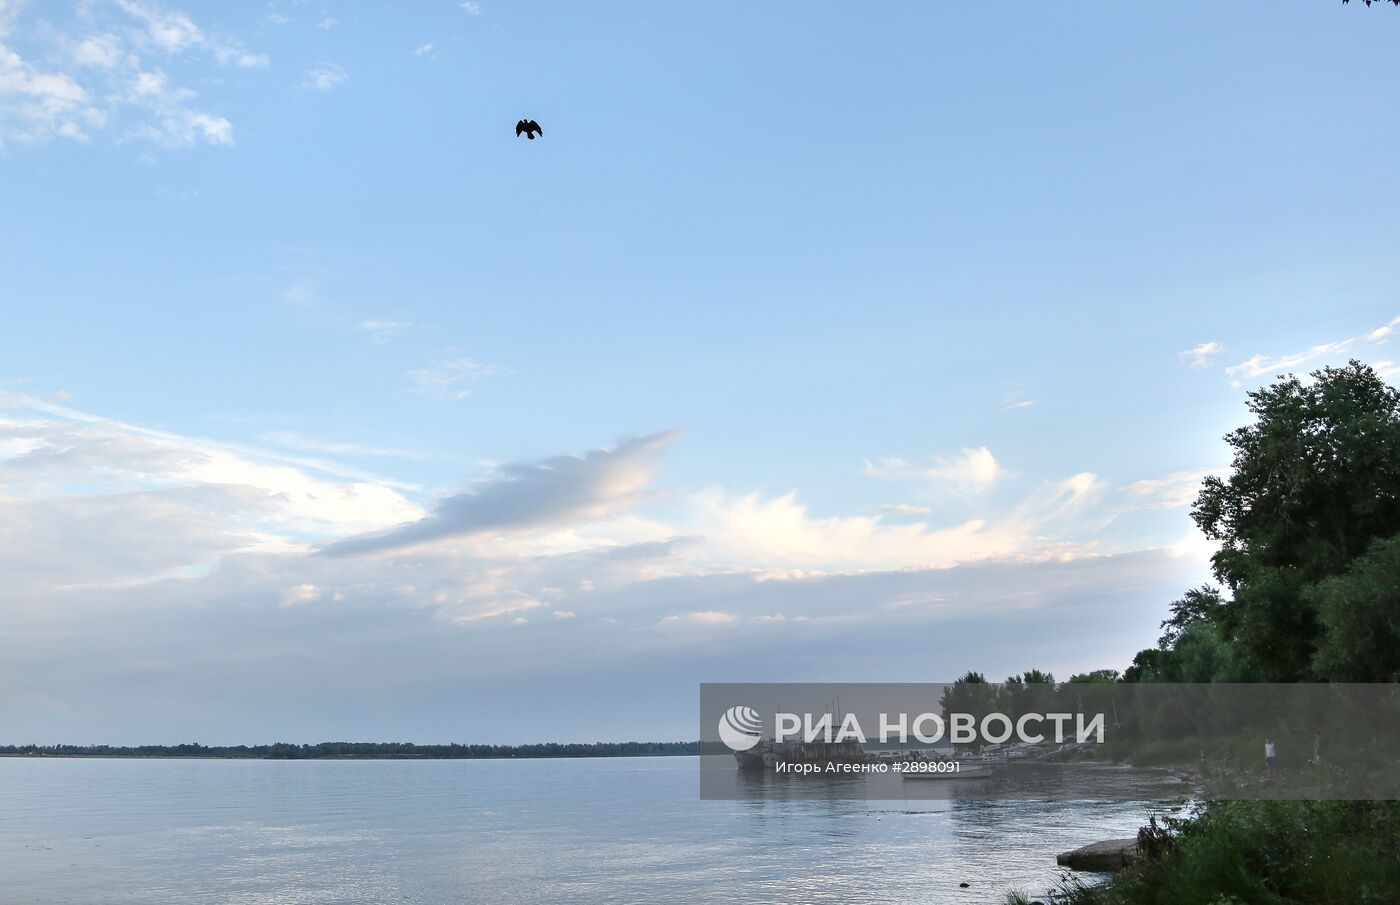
382, 331
168, 30
172, 32
175, 125
971, 469
906, 509
1169, 491
1201, 354
37, 105
65, 460
325, 77
1384, 332
451, 379
1387, 369
1014, 396
1258, 365
292, 440
471, 6
781, 533
110, 71
302, 293
425, 50
702, 617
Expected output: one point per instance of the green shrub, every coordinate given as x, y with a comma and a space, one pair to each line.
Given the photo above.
1266, 853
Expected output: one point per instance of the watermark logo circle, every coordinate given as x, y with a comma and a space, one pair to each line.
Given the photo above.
740, 728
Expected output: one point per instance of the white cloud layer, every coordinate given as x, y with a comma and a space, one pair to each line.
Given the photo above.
108, 75
577, 566
60, 460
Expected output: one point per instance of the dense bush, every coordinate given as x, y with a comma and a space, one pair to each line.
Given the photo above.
1264, 853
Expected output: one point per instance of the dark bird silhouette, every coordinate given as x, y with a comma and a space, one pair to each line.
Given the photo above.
528, 128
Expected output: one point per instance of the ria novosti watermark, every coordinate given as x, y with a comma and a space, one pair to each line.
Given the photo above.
1049, 740
740, 728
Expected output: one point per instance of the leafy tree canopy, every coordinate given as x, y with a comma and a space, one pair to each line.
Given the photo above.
1314, 483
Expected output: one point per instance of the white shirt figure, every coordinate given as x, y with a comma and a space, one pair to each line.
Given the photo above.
1269, 750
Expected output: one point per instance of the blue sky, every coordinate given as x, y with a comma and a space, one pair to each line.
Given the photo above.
854, 332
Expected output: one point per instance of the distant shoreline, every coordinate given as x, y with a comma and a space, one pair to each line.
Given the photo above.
357, 751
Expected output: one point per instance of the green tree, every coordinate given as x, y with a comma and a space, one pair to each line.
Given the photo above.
971, 693
1315, 481
1200, 654
1030, 692
1145, 667
1096, 677
1203, 604
1359, 618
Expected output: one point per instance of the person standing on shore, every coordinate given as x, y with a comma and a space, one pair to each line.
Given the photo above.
1270, 754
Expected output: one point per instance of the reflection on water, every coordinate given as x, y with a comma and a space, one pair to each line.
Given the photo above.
606, 830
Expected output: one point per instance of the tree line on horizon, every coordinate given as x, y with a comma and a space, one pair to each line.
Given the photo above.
345, 750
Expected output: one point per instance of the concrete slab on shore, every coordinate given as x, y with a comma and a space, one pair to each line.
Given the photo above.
1110, 854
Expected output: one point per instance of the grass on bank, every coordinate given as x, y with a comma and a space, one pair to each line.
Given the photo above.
1260, 853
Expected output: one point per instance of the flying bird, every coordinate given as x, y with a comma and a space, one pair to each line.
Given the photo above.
528, 128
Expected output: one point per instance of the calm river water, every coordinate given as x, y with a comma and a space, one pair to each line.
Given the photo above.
505, 831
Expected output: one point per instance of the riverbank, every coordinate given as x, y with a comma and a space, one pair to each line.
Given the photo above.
1255, 853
